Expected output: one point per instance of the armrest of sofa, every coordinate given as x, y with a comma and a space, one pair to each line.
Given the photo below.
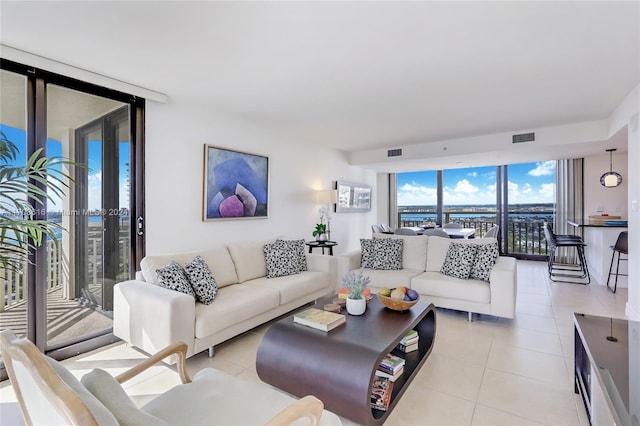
151, 317
322, 263
348, 262
504, 287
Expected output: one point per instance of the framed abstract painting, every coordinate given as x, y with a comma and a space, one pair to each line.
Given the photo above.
236, 184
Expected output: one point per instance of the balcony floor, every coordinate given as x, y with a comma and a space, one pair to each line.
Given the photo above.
66, 319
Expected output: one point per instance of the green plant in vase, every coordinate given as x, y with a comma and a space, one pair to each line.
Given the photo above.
320, 231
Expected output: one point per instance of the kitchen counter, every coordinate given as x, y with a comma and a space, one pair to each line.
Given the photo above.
599, 238
613, 223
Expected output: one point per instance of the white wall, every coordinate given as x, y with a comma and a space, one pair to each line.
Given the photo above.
175, 137
597, 198
626, 117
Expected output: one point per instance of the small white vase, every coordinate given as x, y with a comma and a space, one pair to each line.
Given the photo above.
356, 306
322, 237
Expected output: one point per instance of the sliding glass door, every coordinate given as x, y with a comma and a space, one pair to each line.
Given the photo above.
63, 299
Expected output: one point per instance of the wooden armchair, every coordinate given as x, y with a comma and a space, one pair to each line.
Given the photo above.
49, 394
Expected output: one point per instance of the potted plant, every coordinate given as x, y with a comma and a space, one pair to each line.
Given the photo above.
356, 283
320, 232
22, 190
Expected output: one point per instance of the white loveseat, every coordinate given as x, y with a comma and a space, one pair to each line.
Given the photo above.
152, 317
422, 260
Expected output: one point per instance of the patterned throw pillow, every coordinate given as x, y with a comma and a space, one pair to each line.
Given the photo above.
485, 259
202, 281
280, 260
173, 277
297, 247
387, 253
366, 247
459, 260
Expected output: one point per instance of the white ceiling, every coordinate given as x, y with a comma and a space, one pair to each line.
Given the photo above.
354, 75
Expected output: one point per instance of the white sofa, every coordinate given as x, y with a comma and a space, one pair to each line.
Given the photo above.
422, 260
152, 317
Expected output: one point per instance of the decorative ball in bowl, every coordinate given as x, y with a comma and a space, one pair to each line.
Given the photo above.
394, 301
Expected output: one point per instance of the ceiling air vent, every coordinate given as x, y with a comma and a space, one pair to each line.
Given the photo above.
524, 137
394, 152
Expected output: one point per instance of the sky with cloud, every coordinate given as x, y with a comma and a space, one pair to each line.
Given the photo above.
528, 183
54, 148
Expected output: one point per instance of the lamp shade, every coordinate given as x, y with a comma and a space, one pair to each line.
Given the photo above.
329, 196
610, 179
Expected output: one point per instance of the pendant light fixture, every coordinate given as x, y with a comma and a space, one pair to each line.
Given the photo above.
610, 179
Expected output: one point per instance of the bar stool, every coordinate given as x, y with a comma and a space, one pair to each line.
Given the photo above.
578, 271
621, 247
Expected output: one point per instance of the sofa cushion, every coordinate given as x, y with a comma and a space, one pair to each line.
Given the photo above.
281, 259
217, 258
202, 280
294, 287
105, 387
438, 246
438, 285
218, 398
485, 259
297, 247
248, 258
101, 413
234, 304
173, 277
459, 260
414, 250
390, 278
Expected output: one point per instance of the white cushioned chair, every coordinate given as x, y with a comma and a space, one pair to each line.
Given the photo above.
48, 393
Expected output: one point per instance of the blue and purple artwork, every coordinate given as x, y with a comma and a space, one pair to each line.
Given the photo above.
236, 184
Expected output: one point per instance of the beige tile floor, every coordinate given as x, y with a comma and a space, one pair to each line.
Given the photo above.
487, 372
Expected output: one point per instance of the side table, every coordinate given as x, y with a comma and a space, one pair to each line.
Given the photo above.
323, 245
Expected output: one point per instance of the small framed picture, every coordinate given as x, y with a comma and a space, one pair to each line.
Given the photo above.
236, 184
353, 197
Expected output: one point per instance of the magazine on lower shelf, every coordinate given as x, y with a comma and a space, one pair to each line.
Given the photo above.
381, 393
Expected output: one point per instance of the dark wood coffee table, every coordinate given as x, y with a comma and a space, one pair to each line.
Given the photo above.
339, 366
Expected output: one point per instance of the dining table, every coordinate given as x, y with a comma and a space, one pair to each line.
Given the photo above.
460, 232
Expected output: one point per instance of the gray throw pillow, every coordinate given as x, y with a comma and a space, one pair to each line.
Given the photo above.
459, 260
366, 247
173, 277
486, 257
106, 388
387, 253
101, 412
297, 249
281, 260
202, 281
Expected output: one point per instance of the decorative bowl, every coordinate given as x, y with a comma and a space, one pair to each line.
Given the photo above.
395, 304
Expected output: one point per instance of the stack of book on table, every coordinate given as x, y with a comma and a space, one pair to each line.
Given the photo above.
381, 393
409, 342
390, 368
319, 319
